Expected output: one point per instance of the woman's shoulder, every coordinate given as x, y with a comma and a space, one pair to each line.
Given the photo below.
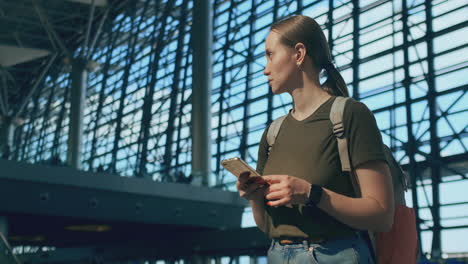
357, 114
354, 107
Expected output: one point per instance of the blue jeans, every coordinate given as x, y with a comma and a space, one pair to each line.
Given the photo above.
341, 251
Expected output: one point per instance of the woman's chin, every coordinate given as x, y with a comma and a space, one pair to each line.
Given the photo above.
276, 90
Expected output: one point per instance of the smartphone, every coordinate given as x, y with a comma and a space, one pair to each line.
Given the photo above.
237, 166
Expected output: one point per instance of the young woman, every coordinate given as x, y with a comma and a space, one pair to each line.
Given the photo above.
303, 167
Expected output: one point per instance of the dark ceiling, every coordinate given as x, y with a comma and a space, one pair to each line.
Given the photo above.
32, 32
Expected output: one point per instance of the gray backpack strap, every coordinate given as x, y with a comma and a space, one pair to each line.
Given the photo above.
336, 117
273, 131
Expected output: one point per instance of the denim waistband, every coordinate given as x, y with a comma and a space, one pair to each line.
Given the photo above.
275, 242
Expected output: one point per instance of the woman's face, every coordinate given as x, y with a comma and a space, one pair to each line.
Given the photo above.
281, 68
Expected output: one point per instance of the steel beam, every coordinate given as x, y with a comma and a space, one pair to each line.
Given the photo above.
98, 32
413, 169
27, 24
85, 49
61, 117
79, 79
436, 250
201, 92
223, 89
168, 155
330, 27
181, 107
245, 120
50, 30
3, 94
25, 144
111, 42
25, 100
356, 46
7, 130
129, 59
46, 114
270, 93
158, 44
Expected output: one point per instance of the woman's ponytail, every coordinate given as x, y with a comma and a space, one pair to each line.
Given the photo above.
335, 84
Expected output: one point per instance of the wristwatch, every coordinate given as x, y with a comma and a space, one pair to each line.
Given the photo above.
315, 195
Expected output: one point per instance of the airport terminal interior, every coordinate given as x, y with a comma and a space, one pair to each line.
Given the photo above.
116, 114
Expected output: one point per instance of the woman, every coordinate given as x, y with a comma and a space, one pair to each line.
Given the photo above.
304, 167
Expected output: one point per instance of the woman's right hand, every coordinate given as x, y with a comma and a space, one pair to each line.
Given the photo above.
251, 188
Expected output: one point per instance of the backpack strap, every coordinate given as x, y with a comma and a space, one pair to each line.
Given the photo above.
273, 131
336, 117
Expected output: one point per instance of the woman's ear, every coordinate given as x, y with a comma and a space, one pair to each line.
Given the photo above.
300, 52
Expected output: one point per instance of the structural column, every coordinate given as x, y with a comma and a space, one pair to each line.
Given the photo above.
79, 77
412, 144
356, 47
6, 136
8, 126
201, 91
436, 249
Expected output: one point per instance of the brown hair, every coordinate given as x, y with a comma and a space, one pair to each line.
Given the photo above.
307, 31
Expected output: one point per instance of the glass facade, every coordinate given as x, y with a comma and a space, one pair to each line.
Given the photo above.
407, 60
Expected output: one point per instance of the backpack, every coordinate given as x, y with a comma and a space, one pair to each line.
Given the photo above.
399, 245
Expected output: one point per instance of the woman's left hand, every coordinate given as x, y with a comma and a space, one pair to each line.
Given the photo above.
286, 190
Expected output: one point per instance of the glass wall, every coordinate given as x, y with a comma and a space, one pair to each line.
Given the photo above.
407, 60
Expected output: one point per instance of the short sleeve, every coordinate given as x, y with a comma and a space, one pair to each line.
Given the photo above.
262, 152
364, 138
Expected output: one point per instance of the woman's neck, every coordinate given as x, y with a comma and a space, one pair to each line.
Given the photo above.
308, 98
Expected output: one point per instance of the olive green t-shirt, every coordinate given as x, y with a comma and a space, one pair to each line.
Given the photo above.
308, 149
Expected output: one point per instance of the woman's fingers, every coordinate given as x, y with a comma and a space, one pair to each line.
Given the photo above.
274, 188
280, 202
241, 181
274, 196
271, 179
247, 188
286, 190
244, 176
253, 189
275, 191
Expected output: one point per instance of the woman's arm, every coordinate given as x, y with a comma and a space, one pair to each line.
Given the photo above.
258, 209
258, 202
373, 211
254, 192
